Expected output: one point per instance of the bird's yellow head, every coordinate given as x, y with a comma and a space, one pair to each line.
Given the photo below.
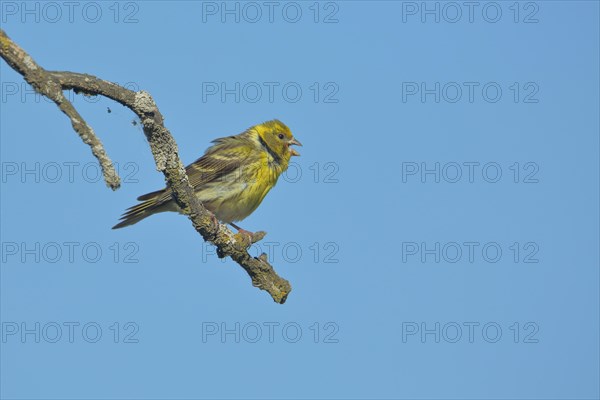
278, 139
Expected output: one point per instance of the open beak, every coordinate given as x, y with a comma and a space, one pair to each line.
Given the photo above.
296, 143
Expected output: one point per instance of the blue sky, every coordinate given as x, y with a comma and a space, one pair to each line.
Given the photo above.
440, 229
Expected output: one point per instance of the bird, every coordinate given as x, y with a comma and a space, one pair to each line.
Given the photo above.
232, 178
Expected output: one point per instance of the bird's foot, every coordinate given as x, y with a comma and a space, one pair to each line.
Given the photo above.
215, 222
250, 237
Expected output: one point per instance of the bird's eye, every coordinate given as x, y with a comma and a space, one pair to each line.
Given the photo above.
280, 136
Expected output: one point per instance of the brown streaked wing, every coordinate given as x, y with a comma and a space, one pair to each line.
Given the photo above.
218, 162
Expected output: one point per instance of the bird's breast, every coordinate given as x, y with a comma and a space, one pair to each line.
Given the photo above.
239, 193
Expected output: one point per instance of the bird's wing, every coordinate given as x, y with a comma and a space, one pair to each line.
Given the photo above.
221, 160
220, 163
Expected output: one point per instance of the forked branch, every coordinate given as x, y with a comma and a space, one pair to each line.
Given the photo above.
164, 149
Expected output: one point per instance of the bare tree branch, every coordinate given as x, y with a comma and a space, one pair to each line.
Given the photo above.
46, 85
164, 149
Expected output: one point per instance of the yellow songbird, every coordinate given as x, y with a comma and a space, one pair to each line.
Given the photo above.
232, 177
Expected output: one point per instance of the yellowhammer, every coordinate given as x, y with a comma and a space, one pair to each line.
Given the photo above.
232, 177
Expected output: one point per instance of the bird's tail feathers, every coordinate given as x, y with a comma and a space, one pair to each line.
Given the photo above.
151, 204
151, 195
